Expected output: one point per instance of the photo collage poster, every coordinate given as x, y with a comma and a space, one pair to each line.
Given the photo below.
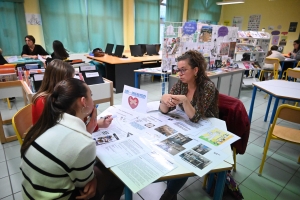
254, 22
216, 43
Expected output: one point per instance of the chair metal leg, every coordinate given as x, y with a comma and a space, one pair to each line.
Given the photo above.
234, 159
8, 103
265, 153
205, 181
268, 108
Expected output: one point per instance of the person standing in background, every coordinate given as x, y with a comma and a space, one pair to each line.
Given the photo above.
31, 50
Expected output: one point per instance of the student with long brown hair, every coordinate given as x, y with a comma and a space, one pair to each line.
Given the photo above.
58, 153
56, 71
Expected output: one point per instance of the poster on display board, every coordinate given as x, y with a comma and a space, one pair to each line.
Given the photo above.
254, 22
214, 42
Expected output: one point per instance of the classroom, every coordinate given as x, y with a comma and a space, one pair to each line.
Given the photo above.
149, 99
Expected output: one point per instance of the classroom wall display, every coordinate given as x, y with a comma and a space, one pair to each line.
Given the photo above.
283, 40
214, 42
254, 22
237, 22
293, 26
275, 39
33, 19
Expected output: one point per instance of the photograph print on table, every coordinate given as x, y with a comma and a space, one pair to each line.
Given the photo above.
195, 159
202, 149
166, 130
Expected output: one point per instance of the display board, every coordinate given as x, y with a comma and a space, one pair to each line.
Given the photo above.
216, 43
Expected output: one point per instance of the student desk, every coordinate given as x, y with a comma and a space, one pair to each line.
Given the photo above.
9, 89
28, 61
120, 70
101, 92
221, 170
279, 89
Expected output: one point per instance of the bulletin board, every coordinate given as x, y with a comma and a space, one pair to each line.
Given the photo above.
216, 43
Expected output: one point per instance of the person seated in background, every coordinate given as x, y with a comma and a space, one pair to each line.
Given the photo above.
98, 52
295, 54
273, 53
2, 59
56, 71
196, 95
59, 51
246, 57
31, 50
58, 154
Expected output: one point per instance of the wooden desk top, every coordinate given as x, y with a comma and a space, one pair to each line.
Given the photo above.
113, 60
280, 88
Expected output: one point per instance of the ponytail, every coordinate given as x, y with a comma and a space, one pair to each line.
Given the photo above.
61, 101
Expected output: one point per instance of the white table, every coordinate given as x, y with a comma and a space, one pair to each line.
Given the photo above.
221, 170
279, 89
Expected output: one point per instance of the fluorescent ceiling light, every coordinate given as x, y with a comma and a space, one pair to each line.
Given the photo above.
230, 2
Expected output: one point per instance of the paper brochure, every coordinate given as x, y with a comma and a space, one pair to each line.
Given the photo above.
121, 151
143, 170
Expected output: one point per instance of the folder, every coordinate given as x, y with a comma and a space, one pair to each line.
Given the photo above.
91, 75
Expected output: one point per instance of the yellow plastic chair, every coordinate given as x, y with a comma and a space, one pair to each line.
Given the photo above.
276, 132
293, 74
22, 121
275, 62
285, 71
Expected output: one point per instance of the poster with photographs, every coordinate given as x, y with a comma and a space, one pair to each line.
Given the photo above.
237, 22
174, 144
218, 138
205, 34
200, 158
108, 135
224, 48
254, 22
172, 45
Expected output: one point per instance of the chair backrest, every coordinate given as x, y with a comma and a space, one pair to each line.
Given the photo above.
292, 73
233, 112
288, 113
22, 121
274, 61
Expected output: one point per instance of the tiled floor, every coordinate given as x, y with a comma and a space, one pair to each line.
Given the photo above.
281, 175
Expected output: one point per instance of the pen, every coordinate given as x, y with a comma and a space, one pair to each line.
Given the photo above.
113, 116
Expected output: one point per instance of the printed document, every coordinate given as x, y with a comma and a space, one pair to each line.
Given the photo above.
143, 170
121, 151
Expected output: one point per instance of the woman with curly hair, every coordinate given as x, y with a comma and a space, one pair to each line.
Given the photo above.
196, 95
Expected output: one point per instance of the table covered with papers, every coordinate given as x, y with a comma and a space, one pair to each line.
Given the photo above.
142, 148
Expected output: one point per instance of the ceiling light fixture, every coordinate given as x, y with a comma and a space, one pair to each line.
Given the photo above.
230, 2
